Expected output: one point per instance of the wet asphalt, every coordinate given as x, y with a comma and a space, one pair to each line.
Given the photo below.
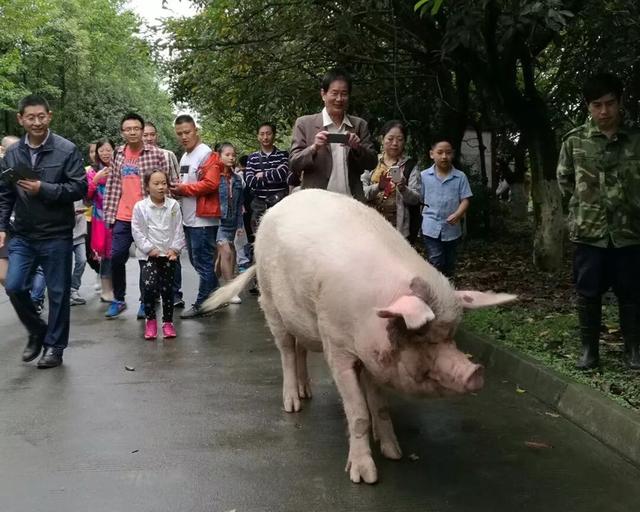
198, 426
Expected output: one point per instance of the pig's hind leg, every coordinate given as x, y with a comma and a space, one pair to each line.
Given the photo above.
381, 424
286, 344
302, 373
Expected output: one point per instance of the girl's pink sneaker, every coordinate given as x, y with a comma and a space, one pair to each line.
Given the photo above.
150, 330
168, 330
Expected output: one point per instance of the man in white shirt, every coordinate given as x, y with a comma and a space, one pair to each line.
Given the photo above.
199, 193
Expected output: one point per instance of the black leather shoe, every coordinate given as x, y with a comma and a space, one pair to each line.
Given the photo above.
33, 348
50, 359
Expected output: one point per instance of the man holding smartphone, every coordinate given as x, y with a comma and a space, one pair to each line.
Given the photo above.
330, 150
43, 227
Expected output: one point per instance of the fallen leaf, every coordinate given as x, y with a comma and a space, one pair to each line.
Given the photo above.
469, 356
414, 457
520, 390
552, 414
130, 368
135, 451
537, 445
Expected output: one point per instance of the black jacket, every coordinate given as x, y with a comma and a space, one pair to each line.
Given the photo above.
50, 213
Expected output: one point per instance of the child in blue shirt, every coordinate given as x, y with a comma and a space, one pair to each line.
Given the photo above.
445, 194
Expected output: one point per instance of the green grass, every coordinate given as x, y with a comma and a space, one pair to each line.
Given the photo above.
552, 339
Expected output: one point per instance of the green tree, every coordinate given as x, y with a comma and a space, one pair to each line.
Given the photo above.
88, 58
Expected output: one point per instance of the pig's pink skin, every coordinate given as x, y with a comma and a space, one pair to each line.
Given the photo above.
335, 276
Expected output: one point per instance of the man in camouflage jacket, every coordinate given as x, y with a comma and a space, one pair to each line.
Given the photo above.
599, 169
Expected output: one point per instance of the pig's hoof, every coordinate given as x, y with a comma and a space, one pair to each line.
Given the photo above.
391, 450
363, 470
304, 390
291, 403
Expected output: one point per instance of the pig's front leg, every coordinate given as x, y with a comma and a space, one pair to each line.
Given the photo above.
360, 464
382, 426
304, 385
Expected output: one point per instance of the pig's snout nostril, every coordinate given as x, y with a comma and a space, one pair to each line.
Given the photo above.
475, 381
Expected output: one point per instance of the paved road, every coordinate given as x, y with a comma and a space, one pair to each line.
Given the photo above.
198, 426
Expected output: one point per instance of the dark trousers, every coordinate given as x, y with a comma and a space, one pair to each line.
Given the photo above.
177, 280
596, 269
442, 255
120, 244
55, 257
158, 280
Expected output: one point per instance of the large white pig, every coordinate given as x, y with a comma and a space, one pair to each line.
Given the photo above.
335, 276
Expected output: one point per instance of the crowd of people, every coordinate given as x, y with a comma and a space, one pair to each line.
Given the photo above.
54, 211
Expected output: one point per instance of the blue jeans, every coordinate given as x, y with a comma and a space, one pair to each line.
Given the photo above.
201, 246
80, 261
55, 258
38, 286
441, 255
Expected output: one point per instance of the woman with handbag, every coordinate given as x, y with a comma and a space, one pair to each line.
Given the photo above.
100, 233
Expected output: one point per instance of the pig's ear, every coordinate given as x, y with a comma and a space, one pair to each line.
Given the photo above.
412, 309
471, 299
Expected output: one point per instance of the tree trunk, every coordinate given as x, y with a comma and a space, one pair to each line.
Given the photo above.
519, 193
548, 241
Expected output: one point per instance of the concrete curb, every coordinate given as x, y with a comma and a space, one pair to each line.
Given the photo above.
617, 427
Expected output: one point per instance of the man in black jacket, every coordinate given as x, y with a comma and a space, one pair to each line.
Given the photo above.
53, 178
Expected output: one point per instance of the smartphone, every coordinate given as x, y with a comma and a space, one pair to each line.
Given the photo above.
10, 175
337, 138
395, 173
13, 175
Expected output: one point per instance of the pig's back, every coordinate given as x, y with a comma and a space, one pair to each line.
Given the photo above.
317, 247
320, 230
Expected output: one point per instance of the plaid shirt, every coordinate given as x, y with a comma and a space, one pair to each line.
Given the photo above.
151, 159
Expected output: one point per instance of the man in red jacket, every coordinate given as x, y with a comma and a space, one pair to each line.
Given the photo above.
199, 182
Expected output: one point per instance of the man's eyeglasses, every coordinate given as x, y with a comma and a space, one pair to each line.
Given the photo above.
33, 118
132, 129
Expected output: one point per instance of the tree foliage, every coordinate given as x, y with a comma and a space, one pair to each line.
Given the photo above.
87, 58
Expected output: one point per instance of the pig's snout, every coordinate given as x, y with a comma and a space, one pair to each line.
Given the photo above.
475, 380
456, 373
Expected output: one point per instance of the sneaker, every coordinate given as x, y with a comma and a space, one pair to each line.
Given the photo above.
235, 300
76, 299
115, 308
168, 330
151, 329
140, 314
193, 312
178, 304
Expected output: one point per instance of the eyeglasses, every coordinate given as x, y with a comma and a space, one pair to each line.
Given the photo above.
33, 118
132, 129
